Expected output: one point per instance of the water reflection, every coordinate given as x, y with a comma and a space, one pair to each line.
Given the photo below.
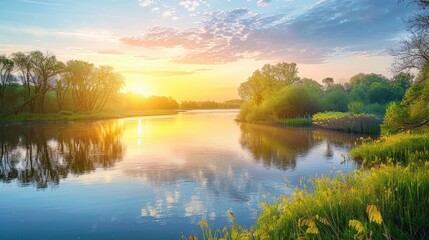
176, 170
279, 147
43, 155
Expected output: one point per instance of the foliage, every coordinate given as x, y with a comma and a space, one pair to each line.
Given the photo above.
268, 80
347, 122
364, 93
355, 107
289, 102
234, 103
138, 102
413, 112
365, 204
402, 148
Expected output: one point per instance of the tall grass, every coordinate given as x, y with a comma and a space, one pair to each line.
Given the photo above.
348, 122
295, 122
403, 147
387, 202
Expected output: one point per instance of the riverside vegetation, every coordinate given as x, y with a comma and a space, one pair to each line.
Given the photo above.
36, 86
388, 197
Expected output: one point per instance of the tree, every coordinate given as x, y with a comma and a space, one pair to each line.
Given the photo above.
38, 73
328, 82
413, 53
413, 112
91, 86
46, 69
6, 77
24, 67
267, 81
336, 100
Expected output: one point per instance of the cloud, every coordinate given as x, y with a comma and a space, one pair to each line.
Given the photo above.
40, 3
146, 3
109, 52
327, 28
190, 5
160, 73
263, 3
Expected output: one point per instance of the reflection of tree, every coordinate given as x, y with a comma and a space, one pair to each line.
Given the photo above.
43, 155
275, 146
279, 146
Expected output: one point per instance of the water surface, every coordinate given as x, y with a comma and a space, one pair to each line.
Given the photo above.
152, 177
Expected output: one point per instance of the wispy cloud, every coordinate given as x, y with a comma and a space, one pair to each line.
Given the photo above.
167, 73
86, 33
40, 3
263, 3
109, 52
327, 28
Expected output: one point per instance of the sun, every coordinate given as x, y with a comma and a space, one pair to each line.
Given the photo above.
139, 86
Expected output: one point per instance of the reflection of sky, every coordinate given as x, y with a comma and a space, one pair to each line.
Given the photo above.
176, 171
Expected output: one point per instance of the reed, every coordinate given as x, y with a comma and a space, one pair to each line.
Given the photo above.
403, 148
348, 122
384, 202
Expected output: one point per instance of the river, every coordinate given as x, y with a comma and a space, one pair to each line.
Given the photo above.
152, 177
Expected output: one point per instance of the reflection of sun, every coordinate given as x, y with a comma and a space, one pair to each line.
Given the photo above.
139, 132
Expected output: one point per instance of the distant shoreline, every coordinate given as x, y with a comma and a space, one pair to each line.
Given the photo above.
82, 116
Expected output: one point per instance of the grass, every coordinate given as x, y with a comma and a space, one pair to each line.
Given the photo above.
298, 122
403, 147
348, 122
71, 116
387, 202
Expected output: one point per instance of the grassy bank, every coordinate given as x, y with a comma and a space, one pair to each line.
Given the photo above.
295, 122
71, 116
402, 148
348, 122
387, 202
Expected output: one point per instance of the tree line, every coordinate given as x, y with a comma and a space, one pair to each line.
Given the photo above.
37, 82
275, 91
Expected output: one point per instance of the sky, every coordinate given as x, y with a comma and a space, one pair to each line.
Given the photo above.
204, 49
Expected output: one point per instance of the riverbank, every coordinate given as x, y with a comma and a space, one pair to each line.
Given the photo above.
71, 116
387, 202
385, 199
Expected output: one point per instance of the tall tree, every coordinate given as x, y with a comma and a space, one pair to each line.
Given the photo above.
91, 86
24, 67
47, 70
6, 76
268, 80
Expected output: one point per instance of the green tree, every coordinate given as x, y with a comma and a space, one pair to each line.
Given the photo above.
328, 82
6, 76
355, 107
91, 86
336, 100
24, 68
413, 112
268, 80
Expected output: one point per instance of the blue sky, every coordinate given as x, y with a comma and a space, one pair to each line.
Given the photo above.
160, 46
